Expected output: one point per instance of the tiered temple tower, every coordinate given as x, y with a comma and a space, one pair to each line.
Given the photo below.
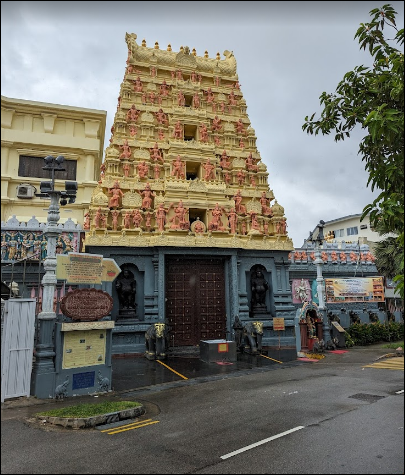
183, 200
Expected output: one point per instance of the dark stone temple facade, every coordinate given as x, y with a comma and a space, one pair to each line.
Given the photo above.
183, 204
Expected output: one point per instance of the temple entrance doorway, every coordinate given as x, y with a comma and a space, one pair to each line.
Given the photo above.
195, 300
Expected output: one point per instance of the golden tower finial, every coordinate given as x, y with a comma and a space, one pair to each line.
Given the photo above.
206, 54
143, 42
181, 49
169, 47
156, 45
218, 56
194, 52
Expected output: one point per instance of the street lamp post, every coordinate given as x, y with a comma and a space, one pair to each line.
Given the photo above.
318, 240
43, 371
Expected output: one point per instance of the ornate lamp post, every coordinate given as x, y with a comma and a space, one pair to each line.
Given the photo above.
318, 240
43, 371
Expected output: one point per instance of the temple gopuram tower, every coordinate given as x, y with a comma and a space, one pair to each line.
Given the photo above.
183, 202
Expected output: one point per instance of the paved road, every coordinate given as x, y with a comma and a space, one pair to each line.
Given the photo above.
336, 415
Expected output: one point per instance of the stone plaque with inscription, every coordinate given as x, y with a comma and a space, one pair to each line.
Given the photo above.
86, 304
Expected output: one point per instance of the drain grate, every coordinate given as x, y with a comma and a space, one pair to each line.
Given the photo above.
367, 397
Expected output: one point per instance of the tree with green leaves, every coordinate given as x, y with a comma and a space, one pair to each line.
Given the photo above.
373, 98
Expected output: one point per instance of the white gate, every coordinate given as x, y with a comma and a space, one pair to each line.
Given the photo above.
17, 347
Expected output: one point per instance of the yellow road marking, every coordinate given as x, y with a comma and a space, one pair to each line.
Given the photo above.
389, 363
171, 369
268, 357
126, 425
131, 428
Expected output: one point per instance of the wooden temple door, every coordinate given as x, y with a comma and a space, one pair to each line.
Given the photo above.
195, 300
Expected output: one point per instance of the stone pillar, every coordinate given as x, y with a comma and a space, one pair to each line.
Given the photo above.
5, 153
89, 166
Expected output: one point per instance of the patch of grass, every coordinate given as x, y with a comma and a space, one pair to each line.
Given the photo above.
395, 345
89, 410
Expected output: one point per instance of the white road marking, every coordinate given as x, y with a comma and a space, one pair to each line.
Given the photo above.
399, 392
264, 441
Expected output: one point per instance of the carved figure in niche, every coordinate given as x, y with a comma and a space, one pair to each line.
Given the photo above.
99, 219
238, 333
232, 99
264, 201
133, 131
259, 287
217, 141
152, 97
179, 219
161, 213
156, 172
164, 88
116, 195
137, 218
217, 81
138, 86
253, 181
196, 101
254, 222
178, 168
159, 99
240, 127
225, 162
216, 123
233, 220
156, 341
127, 220
241, 176
222, 107
310, 326
148, 221
281, 227
214, 107
119, 102
126, 289
156, 154
203, 133
209, 170
241, 144
266, 228
239, 207
161, 117
228, 178
199, 226
86, 222
179, 74
173, 73
178, 130
193, 76
237, 85
143, 169
210, 96
125, 169
115, 214
153, 71
133, 113
216, 222
181, 100
147, 195
126, 150
161, 134
244, 228
250, 165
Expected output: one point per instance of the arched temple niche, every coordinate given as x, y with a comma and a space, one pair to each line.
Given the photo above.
127, 292
260, 293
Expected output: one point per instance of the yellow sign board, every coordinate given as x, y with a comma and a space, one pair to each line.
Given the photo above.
110, 270
84, 348
278, 324
81, 268
338, 327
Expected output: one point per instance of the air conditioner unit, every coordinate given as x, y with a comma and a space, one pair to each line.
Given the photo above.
25, 191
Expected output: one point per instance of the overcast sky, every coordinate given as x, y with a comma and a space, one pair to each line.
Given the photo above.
287, 54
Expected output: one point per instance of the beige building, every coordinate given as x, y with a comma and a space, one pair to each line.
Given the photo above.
30, 131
